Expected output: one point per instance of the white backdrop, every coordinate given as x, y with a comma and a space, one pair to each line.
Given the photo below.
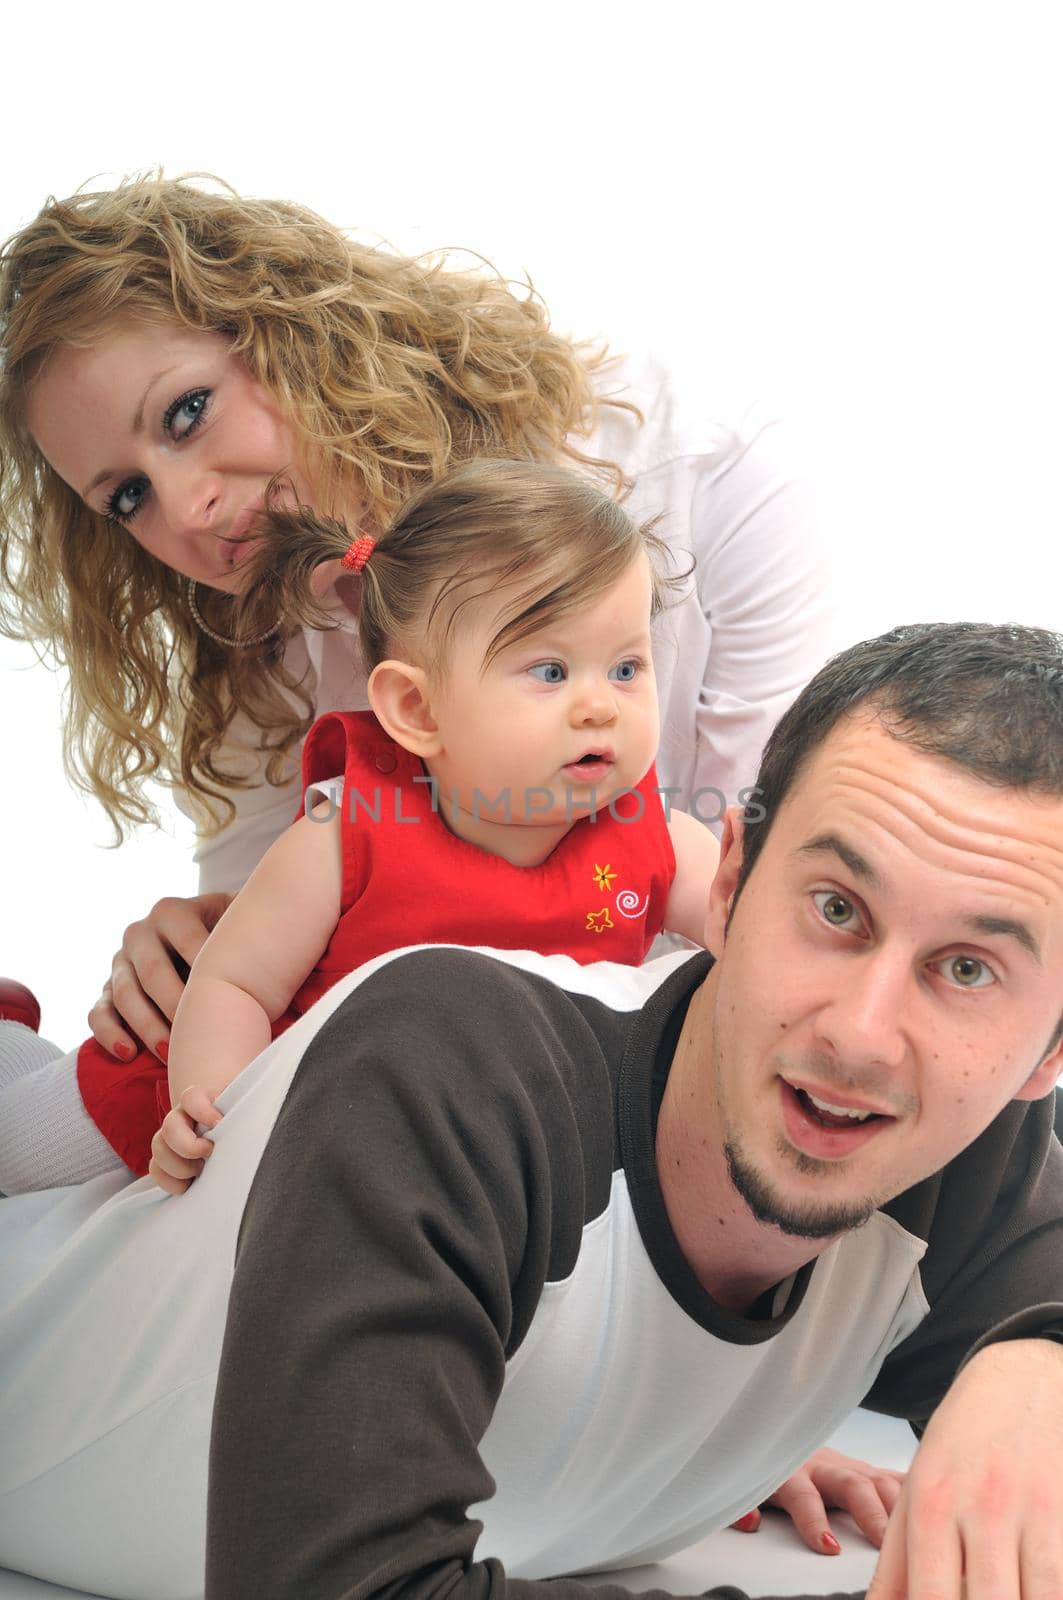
846, 210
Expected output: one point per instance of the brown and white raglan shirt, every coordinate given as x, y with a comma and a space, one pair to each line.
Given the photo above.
464, 1353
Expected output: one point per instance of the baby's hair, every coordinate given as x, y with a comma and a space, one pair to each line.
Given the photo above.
546, 536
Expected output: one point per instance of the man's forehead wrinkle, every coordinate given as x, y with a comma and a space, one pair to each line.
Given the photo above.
971, 838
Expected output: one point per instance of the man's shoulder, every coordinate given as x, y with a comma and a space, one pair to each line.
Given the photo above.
496, 1017
445, 971
1008, 1181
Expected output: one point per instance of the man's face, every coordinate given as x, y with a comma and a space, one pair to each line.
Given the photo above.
898, 949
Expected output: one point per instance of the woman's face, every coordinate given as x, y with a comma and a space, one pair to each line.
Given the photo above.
164, 430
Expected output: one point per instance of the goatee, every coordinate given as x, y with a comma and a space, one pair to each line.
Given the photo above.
801, 1222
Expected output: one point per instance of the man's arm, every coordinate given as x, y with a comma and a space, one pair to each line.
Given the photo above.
392, 1252
981, 1512
983, 1376
993, 1220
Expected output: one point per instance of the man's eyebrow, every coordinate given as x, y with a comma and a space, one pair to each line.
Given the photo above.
1009, 926
138, 423
830, 844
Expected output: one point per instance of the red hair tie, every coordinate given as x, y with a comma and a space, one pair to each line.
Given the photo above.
359, 553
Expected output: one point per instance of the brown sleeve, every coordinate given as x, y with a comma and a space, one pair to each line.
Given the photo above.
993, 1268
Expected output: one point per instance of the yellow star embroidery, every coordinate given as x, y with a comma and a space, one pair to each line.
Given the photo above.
603, 876
598, 921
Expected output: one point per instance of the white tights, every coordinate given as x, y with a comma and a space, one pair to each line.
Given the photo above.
47, 1138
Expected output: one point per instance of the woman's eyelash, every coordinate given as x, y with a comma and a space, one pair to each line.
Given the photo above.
112, 508
178, 405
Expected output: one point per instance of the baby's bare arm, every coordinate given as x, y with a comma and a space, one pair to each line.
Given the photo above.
261, 951
697, 855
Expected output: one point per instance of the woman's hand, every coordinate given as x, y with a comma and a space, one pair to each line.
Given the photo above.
148, 974
830, 1479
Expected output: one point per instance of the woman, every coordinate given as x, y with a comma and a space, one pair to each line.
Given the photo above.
171, 357
166, 354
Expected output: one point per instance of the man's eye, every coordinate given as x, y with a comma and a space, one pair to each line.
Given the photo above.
625, 671
125, 501
834, 908
186, 413
548, 671
966, 972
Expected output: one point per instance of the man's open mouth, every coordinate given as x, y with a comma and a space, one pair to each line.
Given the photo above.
833, 1116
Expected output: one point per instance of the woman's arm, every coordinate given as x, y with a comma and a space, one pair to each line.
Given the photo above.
757, 618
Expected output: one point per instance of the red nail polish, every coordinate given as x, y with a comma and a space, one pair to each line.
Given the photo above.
124, 1052
830, 1544
749, 1523
162, 1049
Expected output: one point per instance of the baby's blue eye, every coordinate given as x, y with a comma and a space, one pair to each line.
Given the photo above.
549, 671
625, 671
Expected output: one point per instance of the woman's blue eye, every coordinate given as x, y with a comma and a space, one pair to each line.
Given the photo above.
125, 501
549, 672
186, 413
625, 671
180, 418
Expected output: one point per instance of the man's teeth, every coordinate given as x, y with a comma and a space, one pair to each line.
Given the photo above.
839, 1111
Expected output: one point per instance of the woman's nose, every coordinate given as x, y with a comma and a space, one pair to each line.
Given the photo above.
189, 498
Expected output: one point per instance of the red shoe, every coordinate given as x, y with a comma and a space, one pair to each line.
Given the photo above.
17, 1004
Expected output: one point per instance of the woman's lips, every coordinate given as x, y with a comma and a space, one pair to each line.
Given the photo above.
236, 551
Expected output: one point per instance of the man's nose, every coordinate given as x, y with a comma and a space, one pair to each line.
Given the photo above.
865, 1021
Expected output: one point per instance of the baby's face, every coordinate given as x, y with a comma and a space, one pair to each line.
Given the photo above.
556, 725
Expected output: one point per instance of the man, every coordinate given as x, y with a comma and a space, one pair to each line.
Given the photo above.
633, 1264
597, 1256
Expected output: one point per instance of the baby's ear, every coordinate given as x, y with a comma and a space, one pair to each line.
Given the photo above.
398, 694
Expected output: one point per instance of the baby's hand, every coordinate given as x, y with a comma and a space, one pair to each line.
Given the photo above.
177, 1150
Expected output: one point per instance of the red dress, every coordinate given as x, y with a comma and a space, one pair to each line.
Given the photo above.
599, 896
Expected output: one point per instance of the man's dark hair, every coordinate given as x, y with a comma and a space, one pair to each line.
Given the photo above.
988, 698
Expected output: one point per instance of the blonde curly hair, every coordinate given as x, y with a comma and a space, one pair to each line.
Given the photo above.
387, 370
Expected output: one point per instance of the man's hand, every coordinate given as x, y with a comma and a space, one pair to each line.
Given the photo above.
983, 1503
148, 974
179, 1150
830, 1479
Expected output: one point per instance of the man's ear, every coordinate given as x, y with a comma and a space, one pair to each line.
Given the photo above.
1043, 1078
398, 694
725, 882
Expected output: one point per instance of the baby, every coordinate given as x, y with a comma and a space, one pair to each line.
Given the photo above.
501, 792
